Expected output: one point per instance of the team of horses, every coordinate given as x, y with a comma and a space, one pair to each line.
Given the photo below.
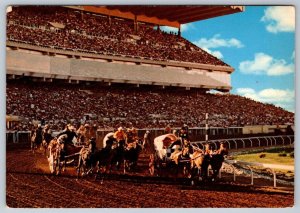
113, 156
189, 160
116, 156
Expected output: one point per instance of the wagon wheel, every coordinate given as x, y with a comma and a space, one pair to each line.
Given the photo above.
151, 165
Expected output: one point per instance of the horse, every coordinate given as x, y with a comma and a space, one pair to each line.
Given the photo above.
216, 162
103, 158
201, 161
181, 159
199, 165
85, 162
44, 145
36, 140
131, 155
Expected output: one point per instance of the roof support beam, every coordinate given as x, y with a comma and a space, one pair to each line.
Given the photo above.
206, 16
198, 12
168, 15
129, 15
212, 14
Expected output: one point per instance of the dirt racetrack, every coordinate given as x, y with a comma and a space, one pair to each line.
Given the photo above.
29, 184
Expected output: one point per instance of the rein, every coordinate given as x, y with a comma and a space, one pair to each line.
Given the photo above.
78, 153
190, 159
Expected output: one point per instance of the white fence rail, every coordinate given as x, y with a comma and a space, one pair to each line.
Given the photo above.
234, 143
249, 165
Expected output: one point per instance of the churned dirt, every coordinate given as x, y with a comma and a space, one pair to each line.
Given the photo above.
29, 184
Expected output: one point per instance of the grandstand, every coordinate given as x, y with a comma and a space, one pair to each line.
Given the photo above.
116, 63
74, 44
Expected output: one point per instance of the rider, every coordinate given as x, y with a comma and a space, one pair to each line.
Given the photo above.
120, 136
70, 132
37, 134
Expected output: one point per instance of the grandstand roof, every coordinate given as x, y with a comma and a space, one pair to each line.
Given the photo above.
169, 15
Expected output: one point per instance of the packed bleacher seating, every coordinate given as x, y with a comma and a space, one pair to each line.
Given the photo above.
59, 104
68, 29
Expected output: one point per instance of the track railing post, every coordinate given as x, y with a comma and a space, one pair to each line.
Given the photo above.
274, 178
244, 145
274, 140
252, 182
267, 139
251, 142
235, 143
258, 142
290, 140
282, 140
228, 143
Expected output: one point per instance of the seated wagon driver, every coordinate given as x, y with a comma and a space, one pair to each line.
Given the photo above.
70, 132
187, 149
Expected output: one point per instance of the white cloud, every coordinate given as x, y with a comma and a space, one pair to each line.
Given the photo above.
265, 64
216, 53
183, 28
279, 19
282, 98
216, 42
245, 91
186, 27
276, 95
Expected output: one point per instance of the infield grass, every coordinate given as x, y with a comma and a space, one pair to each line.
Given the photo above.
272, 158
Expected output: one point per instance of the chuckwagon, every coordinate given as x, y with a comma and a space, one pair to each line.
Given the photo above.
166, 148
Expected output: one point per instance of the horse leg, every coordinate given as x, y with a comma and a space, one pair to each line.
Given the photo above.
124, 166
78, 168
97, 170
64, 166
32, 147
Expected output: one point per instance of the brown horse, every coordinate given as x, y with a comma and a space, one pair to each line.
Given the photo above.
217, 159
131, 155
202, 160
199, 165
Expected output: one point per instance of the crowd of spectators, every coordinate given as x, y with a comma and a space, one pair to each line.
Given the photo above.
58, 104
68, 29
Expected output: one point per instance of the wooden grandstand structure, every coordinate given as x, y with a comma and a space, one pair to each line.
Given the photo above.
23, 59
168, 15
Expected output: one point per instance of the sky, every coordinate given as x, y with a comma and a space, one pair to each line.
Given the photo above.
259, 44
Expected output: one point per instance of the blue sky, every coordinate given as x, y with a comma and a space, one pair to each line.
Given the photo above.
259, 44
